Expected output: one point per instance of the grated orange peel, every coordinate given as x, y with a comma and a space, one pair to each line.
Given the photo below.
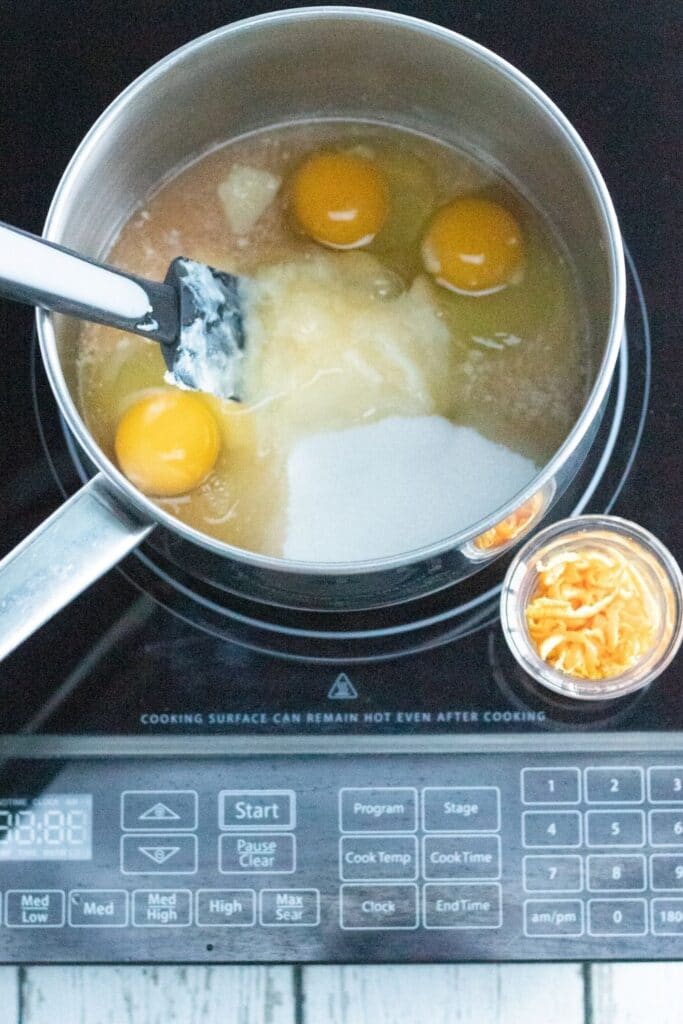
510, 527
593, 614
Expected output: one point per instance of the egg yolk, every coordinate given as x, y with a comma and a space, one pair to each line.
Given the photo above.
473, 246
340, 199
167, 443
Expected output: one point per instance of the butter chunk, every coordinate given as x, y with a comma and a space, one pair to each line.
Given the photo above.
246, 194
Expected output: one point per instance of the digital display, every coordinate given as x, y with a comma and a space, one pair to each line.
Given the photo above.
56, 826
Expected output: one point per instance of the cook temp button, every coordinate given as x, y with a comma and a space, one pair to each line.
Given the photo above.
378, 907
257, 854
98, 908
366, 858
462, 809
463, 906
296, 908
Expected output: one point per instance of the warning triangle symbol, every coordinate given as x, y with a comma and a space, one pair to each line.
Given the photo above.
342, 688
158, 812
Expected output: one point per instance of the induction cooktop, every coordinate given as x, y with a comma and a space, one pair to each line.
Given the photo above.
189, 778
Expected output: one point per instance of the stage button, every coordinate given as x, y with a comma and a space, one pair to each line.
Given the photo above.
461, 809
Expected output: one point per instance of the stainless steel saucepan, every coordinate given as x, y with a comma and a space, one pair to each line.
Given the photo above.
312, 62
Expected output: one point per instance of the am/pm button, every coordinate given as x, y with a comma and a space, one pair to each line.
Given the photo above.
461, 809
241, 809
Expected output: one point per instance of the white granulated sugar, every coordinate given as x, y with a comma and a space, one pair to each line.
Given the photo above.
393, 486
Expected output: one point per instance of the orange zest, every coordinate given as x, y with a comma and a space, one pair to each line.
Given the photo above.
510, 527
593, 614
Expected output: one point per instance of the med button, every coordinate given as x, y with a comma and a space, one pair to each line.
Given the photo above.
385, 809
241, 809
98, 908
460, 809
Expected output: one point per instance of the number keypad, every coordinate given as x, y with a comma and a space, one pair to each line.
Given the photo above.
602, 850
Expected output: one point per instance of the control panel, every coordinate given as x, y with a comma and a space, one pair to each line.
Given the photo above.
343, 858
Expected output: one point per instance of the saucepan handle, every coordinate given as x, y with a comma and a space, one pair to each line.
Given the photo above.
79, 542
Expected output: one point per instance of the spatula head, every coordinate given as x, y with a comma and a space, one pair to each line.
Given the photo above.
209, 351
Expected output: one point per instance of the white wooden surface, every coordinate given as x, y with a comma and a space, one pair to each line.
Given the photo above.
473, 994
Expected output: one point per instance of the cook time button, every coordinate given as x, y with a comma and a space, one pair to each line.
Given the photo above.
241, 809
461, 809
380, 809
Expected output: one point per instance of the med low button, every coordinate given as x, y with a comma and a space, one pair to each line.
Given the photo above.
98, 908
294, 908
461, 809
378, 907
34, 908
553, 918
241, 809
551, 785
461, 857
251, 854
614, 785
462, 906
385, 809
386, 858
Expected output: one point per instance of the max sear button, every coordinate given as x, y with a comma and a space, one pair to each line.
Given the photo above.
667, 916
666, 785
161, 853
147, 810
241, 809
461, 857
553, 873
553, 918
666, 870
612, 873
162, 908
617, 917
378, 907
615, 828
666, 828
365, 858
226, 908
98, 908
460, 809
551, 828
614, 785
378, 810
252, 854
296, 908
551, 786
34, 908
462, 906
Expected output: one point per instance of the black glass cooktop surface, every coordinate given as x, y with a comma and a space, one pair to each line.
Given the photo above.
139, 655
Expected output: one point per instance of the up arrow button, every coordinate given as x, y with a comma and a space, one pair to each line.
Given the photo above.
168, 810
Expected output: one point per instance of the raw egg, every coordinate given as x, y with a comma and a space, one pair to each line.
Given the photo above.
473, 246
340, 199
167, 442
